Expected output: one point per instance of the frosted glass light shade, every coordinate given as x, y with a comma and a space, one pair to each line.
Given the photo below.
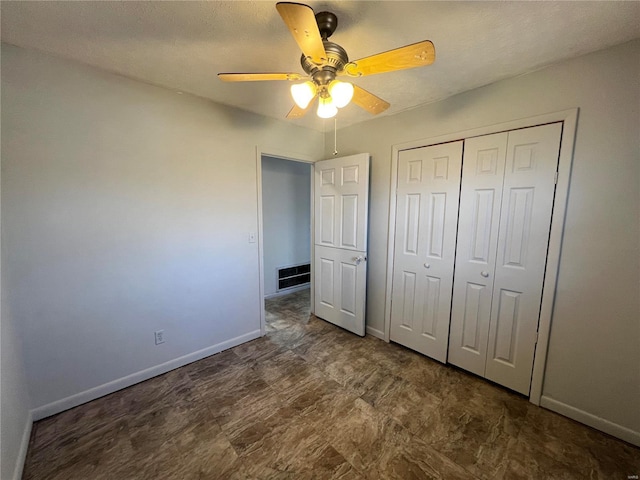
303, 93
341, 92
326, 108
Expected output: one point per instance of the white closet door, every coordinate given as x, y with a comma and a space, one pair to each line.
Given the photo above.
525, 221
480, 199
341, 205
425, 238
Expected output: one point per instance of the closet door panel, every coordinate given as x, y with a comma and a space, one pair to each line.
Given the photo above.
480, 200
426, 221
525, 222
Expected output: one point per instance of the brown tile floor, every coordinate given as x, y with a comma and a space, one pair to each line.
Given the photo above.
311, 401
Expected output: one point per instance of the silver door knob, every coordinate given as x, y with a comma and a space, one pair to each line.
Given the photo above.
359, 259
427, 265
484, 274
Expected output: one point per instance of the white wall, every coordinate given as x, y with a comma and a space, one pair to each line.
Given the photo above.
126, 209
15, 415
286, 216
594, 360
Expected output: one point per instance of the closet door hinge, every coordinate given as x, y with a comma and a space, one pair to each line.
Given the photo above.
555, 180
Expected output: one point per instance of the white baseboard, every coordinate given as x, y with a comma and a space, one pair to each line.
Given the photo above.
281, 293
115, 385
374, 332
598, 423
24, 446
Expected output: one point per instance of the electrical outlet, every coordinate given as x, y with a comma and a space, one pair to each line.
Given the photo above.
159, 334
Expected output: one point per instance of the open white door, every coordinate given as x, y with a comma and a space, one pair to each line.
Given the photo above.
341, 204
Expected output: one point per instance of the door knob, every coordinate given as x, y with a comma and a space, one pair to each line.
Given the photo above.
359, 259
484, 274
427, 265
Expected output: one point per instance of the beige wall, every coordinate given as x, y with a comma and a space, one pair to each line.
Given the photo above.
594, 360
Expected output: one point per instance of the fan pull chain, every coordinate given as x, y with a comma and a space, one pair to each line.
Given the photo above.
335, 137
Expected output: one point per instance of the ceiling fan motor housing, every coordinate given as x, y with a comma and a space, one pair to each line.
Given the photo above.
336, 60
325, 72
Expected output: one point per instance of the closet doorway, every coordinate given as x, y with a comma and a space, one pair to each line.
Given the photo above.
494, 325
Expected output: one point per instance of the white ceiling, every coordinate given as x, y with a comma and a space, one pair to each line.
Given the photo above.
183, 45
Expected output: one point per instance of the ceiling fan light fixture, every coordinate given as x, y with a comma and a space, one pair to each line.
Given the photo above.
323, 60
303, 93
326, 107
341, 92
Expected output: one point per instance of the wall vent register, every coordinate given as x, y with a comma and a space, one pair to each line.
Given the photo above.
294, 276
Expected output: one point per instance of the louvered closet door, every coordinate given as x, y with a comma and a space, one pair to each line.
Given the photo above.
480, 200
525, 222
425, 237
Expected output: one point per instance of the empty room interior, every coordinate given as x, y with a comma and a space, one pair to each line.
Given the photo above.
341, 239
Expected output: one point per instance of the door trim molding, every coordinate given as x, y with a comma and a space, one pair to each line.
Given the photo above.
275, 152
569, 119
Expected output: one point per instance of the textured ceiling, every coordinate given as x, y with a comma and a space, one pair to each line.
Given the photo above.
183, 45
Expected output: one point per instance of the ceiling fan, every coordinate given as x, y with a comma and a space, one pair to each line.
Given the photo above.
323, 61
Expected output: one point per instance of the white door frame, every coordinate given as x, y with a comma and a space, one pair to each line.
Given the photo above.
570, 118
293, 157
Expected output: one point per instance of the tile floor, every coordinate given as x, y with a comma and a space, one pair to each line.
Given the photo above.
311, 401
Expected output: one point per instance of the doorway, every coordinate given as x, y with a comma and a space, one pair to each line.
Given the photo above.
285, 235
338, 206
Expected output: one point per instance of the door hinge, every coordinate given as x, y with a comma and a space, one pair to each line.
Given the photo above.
555, 180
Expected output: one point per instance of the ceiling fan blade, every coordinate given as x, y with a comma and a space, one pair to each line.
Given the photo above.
297, 112
415, 55
369, 101
303, 26
257, 77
